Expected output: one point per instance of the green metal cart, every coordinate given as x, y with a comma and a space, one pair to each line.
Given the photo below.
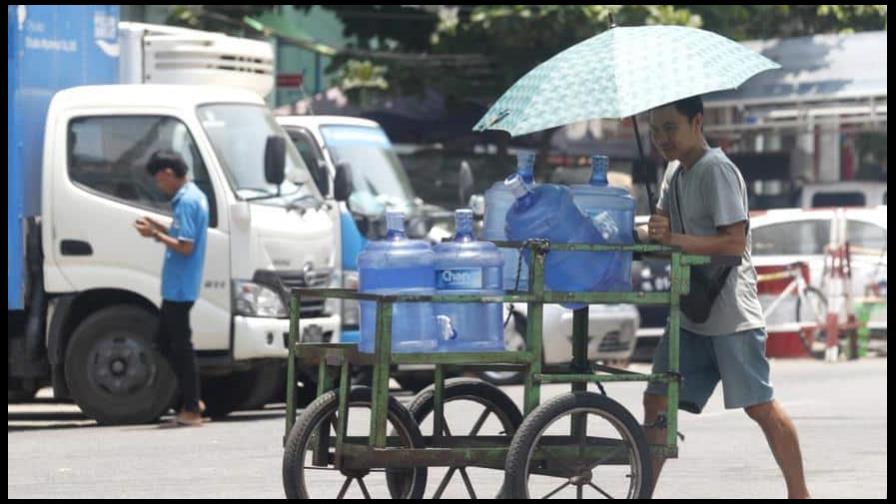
581, 441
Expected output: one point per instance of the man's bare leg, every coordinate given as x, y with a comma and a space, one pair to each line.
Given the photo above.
654, 406
782, 439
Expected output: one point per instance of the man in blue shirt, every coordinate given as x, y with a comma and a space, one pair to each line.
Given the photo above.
181, 274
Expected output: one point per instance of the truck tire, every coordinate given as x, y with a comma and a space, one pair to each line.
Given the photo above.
306, 386
265, 388
415, 381
225, 394
16, 392
114, 373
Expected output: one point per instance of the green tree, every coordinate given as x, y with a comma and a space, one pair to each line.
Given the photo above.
475, 52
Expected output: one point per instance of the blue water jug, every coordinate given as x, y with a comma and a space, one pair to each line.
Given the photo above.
398, 265
548, 212
499, 199
612, 210
466, 266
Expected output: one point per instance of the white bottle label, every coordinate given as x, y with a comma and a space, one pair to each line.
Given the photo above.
459, 279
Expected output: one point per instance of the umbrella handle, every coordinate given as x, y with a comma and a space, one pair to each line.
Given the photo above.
641, 164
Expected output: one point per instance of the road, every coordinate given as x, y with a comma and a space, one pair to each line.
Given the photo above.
840, 411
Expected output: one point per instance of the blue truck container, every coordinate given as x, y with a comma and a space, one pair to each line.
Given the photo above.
50, 47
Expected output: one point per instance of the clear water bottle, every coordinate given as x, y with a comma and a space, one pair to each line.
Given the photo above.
548, 212
398, 265
612, 211
466, 266
499, 199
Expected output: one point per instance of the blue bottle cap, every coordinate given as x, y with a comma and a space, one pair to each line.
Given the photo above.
525, 166
599, 166
463, 224
394, 223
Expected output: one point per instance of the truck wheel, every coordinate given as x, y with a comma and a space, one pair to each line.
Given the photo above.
113, 372
306, 387
16, 392
266, 385
225, 394
415, 381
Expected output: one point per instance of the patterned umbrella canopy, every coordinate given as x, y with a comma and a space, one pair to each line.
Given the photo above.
622, 72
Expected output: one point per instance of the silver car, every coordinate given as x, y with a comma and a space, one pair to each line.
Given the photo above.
611, 336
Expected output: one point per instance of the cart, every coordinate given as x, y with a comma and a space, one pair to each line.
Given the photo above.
580, 442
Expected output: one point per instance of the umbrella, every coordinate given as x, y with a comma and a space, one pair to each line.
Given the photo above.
620, 73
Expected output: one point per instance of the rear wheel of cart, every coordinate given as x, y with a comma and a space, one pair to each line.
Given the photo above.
306, 476
612, 459
472, 407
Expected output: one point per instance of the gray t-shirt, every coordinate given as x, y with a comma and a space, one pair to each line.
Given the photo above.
713, 194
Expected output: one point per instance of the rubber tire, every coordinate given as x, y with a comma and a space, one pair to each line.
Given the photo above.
517, 457
320, 409
424, 403
19, 396
265, 388
415, 381
149, 403
17, 393
225, 394
305, 393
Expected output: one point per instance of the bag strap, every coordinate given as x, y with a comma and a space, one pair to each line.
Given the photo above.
673, 186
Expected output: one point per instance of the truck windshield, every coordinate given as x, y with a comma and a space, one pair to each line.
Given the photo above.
238, 134
375, 167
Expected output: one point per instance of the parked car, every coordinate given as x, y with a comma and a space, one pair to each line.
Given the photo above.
844, 194
799, 235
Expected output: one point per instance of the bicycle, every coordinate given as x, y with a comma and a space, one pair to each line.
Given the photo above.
810, 317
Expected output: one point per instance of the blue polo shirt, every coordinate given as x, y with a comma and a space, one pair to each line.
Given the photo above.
182, 274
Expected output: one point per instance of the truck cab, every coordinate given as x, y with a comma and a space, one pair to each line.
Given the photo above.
353, 161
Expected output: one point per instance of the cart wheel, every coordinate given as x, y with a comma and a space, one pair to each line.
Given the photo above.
619, 465
307, 478
472, 408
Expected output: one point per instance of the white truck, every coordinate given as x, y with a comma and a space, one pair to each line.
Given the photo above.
84, 287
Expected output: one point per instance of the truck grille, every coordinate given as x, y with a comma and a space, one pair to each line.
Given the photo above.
613, 342
285, 281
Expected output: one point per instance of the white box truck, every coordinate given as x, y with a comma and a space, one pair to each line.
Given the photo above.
90, 99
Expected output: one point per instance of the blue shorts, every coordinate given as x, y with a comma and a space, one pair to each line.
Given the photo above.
737, 359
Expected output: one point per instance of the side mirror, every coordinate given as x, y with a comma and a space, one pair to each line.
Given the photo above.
342, 181
275, 160
465, 182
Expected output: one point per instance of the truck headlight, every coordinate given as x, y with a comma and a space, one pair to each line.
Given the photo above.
351, 310
253, 300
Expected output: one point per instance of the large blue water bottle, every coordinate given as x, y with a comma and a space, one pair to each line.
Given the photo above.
548, 212
466, 266
612, 210
398, 265
499, 199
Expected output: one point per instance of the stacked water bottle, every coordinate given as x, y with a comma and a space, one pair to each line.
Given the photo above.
561, 215
463, 265
516, 210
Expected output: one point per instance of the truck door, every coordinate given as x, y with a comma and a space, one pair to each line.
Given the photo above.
102, 191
